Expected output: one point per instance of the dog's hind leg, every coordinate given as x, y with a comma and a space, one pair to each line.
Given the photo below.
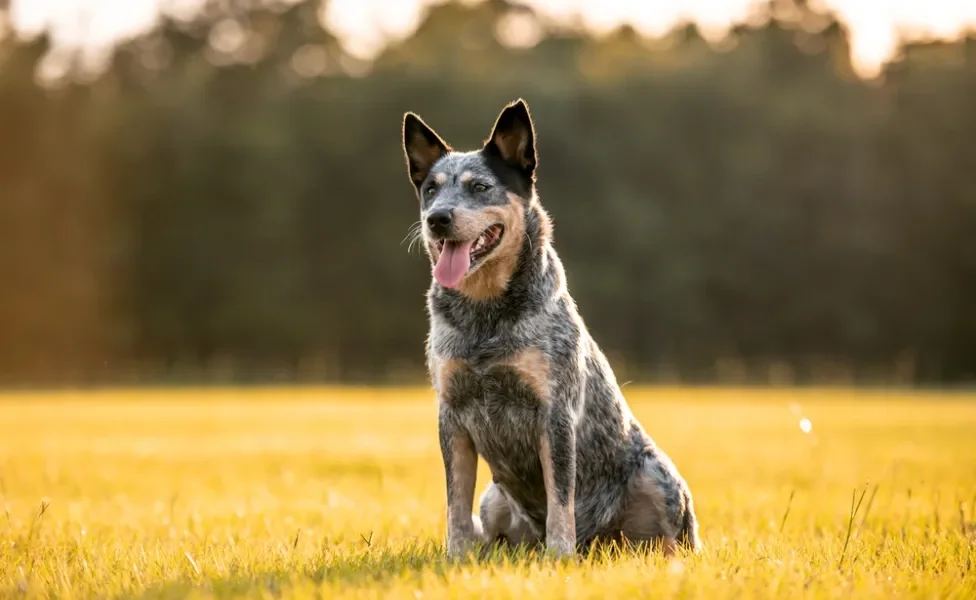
658, 508
502, 521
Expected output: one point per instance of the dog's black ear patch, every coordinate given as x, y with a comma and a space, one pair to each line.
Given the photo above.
422, 147
513, 139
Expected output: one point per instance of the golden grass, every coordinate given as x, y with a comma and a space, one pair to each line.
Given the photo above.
329, 493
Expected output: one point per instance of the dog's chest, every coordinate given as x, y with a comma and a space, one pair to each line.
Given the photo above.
501, 409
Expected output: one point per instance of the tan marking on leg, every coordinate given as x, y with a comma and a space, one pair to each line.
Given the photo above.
492, 278
440, 178
533, 367
669, 546
560, 519
443, 370
645, 517
461, 533
466, 177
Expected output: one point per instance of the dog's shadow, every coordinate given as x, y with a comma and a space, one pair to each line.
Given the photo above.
374, 566
596, 551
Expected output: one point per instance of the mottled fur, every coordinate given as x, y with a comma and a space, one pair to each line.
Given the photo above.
519, 380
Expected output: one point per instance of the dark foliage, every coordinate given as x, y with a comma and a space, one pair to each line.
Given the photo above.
750, 213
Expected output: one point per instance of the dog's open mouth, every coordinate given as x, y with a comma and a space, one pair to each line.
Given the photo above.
485, 243
457, 257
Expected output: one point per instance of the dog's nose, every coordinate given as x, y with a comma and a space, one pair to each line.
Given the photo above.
440, 221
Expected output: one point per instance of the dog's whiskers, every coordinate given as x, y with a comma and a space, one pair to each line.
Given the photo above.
411, 231
417, 239
414, 234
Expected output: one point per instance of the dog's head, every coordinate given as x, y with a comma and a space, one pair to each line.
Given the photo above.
472, 204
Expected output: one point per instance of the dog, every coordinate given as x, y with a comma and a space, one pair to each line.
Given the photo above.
518, 379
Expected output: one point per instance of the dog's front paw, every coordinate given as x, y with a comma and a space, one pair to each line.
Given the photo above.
560, 548
460, 546
460, 543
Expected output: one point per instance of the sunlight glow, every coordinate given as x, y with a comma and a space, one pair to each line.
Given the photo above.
365, 26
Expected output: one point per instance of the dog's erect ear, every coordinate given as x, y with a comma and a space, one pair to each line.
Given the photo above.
513, 138
422, 147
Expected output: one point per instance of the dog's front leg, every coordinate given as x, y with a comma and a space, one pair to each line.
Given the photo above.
557, 453
461, 469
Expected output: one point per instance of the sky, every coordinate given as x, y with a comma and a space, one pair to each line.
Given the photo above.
364, 26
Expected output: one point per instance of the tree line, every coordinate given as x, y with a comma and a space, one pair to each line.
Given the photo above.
227, 201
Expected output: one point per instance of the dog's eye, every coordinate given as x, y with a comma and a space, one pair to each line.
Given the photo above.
480, 187
430, 190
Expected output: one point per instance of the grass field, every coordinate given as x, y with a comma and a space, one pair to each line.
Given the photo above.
323, 493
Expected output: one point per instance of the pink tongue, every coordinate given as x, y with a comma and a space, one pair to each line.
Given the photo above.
453, 263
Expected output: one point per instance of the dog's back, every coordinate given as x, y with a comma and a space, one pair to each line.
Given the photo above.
520, 381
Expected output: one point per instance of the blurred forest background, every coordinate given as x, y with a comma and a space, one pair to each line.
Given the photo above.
226, 203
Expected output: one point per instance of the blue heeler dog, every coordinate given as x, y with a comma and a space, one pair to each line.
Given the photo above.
519, 380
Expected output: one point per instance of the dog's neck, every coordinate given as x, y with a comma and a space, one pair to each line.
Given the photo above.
536, 281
